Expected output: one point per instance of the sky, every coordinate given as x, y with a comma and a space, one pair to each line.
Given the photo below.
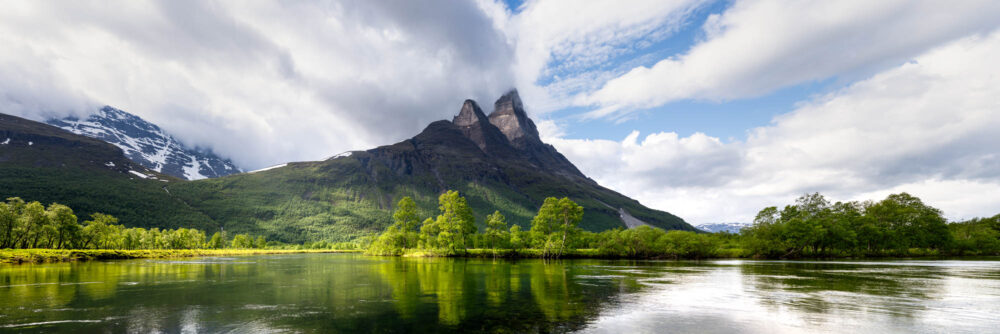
710, 110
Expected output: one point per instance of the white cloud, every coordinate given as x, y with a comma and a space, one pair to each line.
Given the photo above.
262, 82
928, 127
756, 47
268, 83
566, 40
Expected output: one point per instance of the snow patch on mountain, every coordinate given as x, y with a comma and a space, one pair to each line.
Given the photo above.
341, 155
269, 168
141, 175
148, 145
722, 227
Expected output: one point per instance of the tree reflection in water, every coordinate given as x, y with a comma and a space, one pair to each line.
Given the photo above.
354, 293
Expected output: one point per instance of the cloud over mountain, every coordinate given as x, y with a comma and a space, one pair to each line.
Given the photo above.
261, 82
911, 105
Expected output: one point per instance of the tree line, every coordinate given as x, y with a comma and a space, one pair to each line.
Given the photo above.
32, 225
900, 225
454, 231
554, 233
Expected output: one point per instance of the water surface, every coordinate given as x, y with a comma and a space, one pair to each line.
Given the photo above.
321, 293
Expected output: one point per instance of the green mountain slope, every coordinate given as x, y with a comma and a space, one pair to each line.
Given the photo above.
497, 162
39, 162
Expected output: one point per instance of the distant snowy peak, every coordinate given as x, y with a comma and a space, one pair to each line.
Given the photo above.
146, 144
722, 227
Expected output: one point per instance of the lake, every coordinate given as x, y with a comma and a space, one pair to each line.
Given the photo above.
322, 293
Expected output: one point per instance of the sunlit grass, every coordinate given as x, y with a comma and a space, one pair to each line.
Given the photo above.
57, 255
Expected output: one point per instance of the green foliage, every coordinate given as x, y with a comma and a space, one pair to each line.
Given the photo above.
405, 218
402, 234
555, 225
54, 255
216, 242
242, 241
136, 202
456, 222
344, 199
496, 230
978, 236
518, 239
901, 224
26, 225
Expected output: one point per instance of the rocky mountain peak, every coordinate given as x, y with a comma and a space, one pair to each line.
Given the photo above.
477, 127
470, 115
147, 144
509, 116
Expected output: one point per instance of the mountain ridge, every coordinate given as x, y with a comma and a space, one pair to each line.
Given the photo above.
40, 162
147, 144
506, 168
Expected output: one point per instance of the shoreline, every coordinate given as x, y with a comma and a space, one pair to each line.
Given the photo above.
531, 253
41, 255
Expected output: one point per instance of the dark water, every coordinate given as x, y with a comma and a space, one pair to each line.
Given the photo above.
321, 293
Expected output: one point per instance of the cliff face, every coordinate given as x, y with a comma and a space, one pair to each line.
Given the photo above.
509, 116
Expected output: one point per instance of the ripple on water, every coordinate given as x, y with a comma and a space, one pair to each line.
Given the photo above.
56, 322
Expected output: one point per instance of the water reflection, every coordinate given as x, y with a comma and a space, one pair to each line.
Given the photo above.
831, 297
352, 293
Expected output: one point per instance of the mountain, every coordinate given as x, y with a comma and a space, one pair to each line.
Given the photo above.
40, 162
147, 144
496, 161
722, 227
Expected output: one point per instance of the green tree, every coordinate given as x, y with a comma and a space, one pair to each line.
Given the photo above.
10, 222
456, 222
910, 223
974, 237
65, 223
429, 231
242, 241
518, 238
98, 232
556, 221
260, 242
764, 237
30, 224
216, 241
496, 229
405, 217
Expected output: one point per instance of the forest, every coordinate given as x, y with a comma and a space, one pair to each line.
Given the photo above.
899, 225
812, 227
31, 225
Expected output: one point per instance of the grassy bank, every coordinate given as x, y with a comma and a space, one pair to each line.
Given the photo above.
529, 253
504, 253
57, 255
591, 253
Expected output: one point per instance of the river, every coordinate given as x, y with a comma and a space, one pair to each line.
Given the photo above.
324, 293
